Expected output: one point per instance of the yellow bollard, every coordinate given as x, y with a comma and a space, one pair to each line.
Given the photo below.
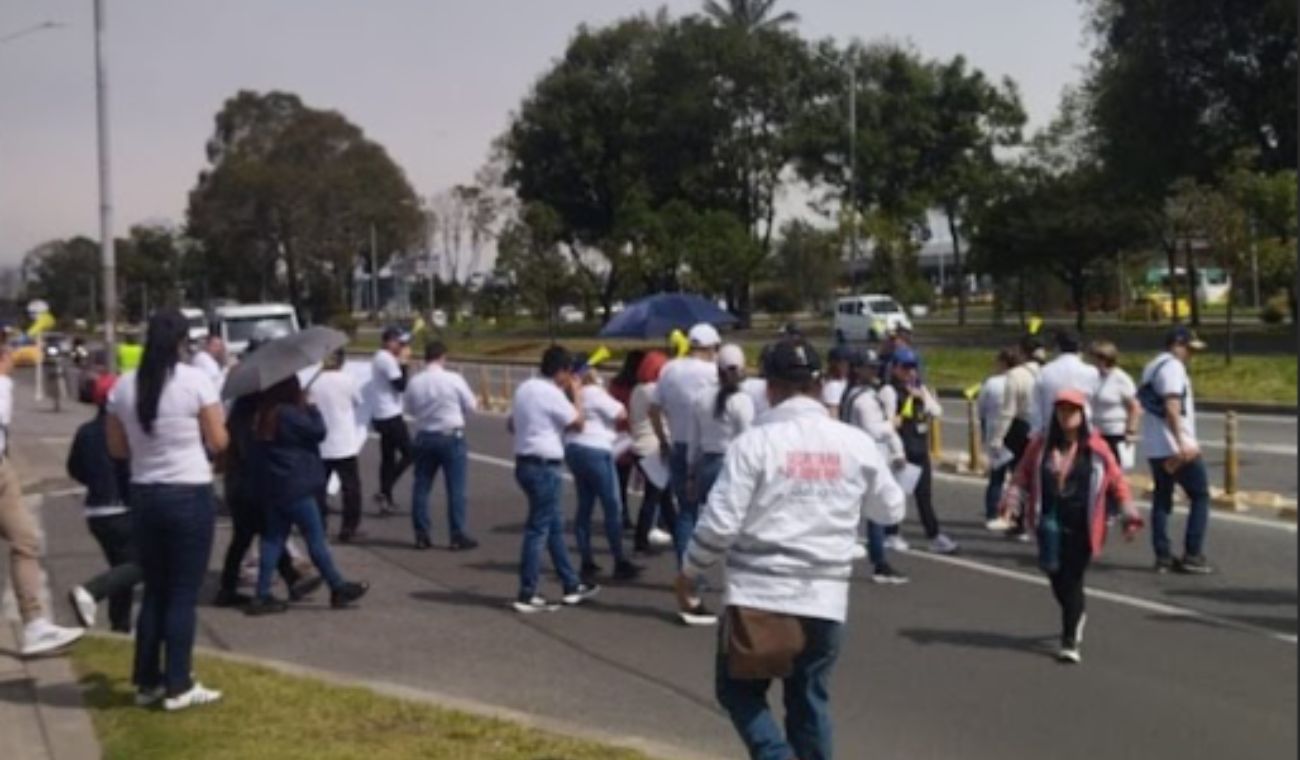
936, 439
973, 437
1230, 458
484, 396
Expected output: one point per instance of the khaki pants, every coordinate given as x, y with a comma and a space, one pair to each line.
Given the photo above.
18, 527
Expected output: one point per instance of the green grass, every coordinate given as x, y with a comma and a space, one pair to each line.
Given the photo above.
269, 715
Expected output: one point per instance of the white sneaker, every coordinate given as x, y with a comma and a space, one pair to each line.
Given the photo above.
859, 552
197, 695
1070, 655
941, 544
698, 615
149, 697
536, 604
83, 605
582, 593
897, 543
999, 525
1078, 629
40, 636
659, 537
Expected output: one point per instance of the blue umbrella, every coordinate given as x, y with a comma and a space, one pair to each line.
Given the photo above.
658, 315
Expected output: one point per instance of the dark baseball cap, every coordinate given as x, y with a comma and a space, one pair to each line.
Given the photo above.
792, 360
840, 354
1184, 336
393, 332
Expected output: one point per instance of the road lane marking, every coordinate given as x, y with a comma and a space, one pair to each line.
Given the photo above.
1115, 597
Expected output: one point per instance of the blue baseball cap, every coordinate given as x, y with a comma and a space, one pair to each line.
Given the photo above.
905, 357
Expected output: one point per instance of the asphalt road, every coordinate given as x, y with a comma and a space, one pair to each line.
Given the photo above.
954, 665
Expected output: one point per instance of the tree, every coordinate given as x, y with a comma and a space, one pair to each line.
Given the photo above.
808, 262
64, 273
288, 202
464, 221
149, 264
530, 258
749, 15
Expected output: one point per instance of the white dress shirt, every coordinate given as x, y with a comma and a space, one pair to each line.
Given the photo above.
338, 397
681, 380
539, 415
439, 399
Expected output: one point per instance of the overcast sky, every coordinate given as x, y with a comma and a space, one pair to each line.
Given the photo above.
432, 80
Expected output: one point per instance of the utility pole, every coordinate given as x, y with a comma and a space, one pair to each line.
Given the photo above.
108, 256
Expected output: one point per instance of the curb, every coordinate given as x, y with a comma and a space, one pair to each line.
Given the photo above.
560, 728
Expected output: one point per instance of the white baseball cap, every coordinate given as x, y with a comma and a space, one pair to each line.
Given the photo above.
731, 356
704, 335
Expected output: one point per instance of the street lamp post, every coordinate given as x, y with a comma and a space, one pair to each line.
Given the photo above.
108, 256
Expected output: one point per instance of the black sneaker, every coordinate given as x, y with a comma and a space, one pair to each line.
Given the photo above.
463, 544
347, 536
887, 575
589, 570
1194, 564
303, 589
579, 594
422, 542
347, 594
626, 571
1164, 565
266, 606
231, 599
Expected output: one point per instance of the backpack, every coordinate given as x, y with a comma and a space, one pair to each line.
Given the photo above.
1153, 403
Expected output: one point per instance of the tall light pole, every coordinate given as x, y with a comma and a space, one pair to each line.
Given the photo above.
108, 256
32, 30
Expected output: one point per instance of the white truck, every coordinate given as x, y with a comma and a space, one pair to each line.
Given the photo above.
868, 317
239, 323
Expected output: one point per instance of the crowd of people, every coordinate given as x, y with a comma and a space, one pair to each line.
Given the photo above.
785, 477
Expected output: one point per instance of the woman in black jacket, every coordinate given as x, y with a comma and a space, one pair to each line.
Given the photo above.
288, 472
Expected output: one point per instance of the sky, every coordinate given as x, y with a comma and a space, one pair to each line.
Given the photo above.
434, 81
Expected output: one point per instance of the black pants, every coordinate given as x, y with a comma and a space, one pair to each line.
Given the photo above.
117, 585
656, 504
394, 453
1113, 441
623, 466
924, 493
1067, 583
249, 520
350, 483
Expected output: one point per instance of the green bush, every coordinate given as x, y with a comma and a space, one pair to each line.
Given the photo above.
346, 323
776, 299
1275, 310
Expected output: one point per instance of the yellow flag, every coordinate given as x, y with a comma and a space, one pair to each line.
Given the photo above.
598, 357
679, 342
419, 326
907, 408
42, 323
1035, 324
972, 391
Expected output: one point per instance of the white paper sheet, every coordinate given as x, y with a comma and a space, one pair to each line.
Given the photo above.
908, 477
655, 471
1127, 456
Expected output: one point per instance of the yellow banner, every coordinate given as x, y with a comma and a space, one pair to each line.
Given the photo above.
972, 392
1035, 324
42, 323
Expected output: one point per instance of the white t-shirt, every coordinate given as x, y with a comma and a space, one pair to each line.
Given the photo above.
833, 391
205, 363
1110, 402
338, 397
681, 380
174, 453
539, 415
1065, 372
387, 402
438, 399
644, 441
756, 389
1168, 377
6, 410
710, 435
601, 413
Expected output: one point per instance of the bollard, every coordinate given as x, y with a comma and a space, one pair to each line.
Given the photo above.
484, 396
973, 437
1230, 457
936, 439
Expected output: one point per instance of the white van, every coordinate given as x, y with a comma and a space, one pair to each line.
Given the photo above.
238, 324
198, 322
861, 318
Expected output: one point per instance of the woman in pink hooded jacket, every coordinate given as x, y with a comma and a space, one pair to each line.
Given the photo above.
1061, 488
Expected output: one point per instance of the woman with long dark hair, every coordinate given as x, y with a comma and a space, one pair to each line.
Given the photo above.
166, 418
718, 417
289, 473
1061, 488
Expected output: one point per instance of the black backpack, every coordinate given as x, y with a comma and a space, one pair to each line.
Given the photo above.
1153, 403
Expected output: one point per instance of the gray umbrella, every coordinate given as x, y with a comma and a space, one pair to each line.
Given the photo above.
281, 358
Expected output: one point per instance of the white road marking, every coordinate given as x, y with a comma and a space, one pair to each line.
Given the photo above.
1135, 602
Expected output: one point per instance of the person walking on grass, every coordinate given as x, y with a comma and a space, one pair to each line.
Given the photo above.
388, 382
438, 399
337, 396
18, 527
544, 409
657, 500
783, 518
913, 407
166, 419
289, 473
862, 408
1170, 446
1062, 486
589, 455
108, 517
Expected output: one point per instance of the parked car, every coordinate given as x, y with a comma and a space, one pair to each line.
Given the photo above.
240, 323
572, 315
868, 317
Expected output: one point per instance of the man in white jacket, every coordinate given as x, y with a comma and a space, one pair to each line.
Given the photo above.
783, 518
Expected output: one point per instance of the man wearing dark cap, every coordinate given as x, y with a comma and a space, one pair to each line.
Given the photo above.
1170, 446
783, 517
388, 382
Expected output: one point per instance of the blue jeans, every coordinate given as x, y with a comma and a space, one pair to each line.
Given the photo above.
1195, 482
542, 485
876, 544
594, 477
172, 527
446, 452
280, 519
706, 474
993, 491
687, 510
807, 700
